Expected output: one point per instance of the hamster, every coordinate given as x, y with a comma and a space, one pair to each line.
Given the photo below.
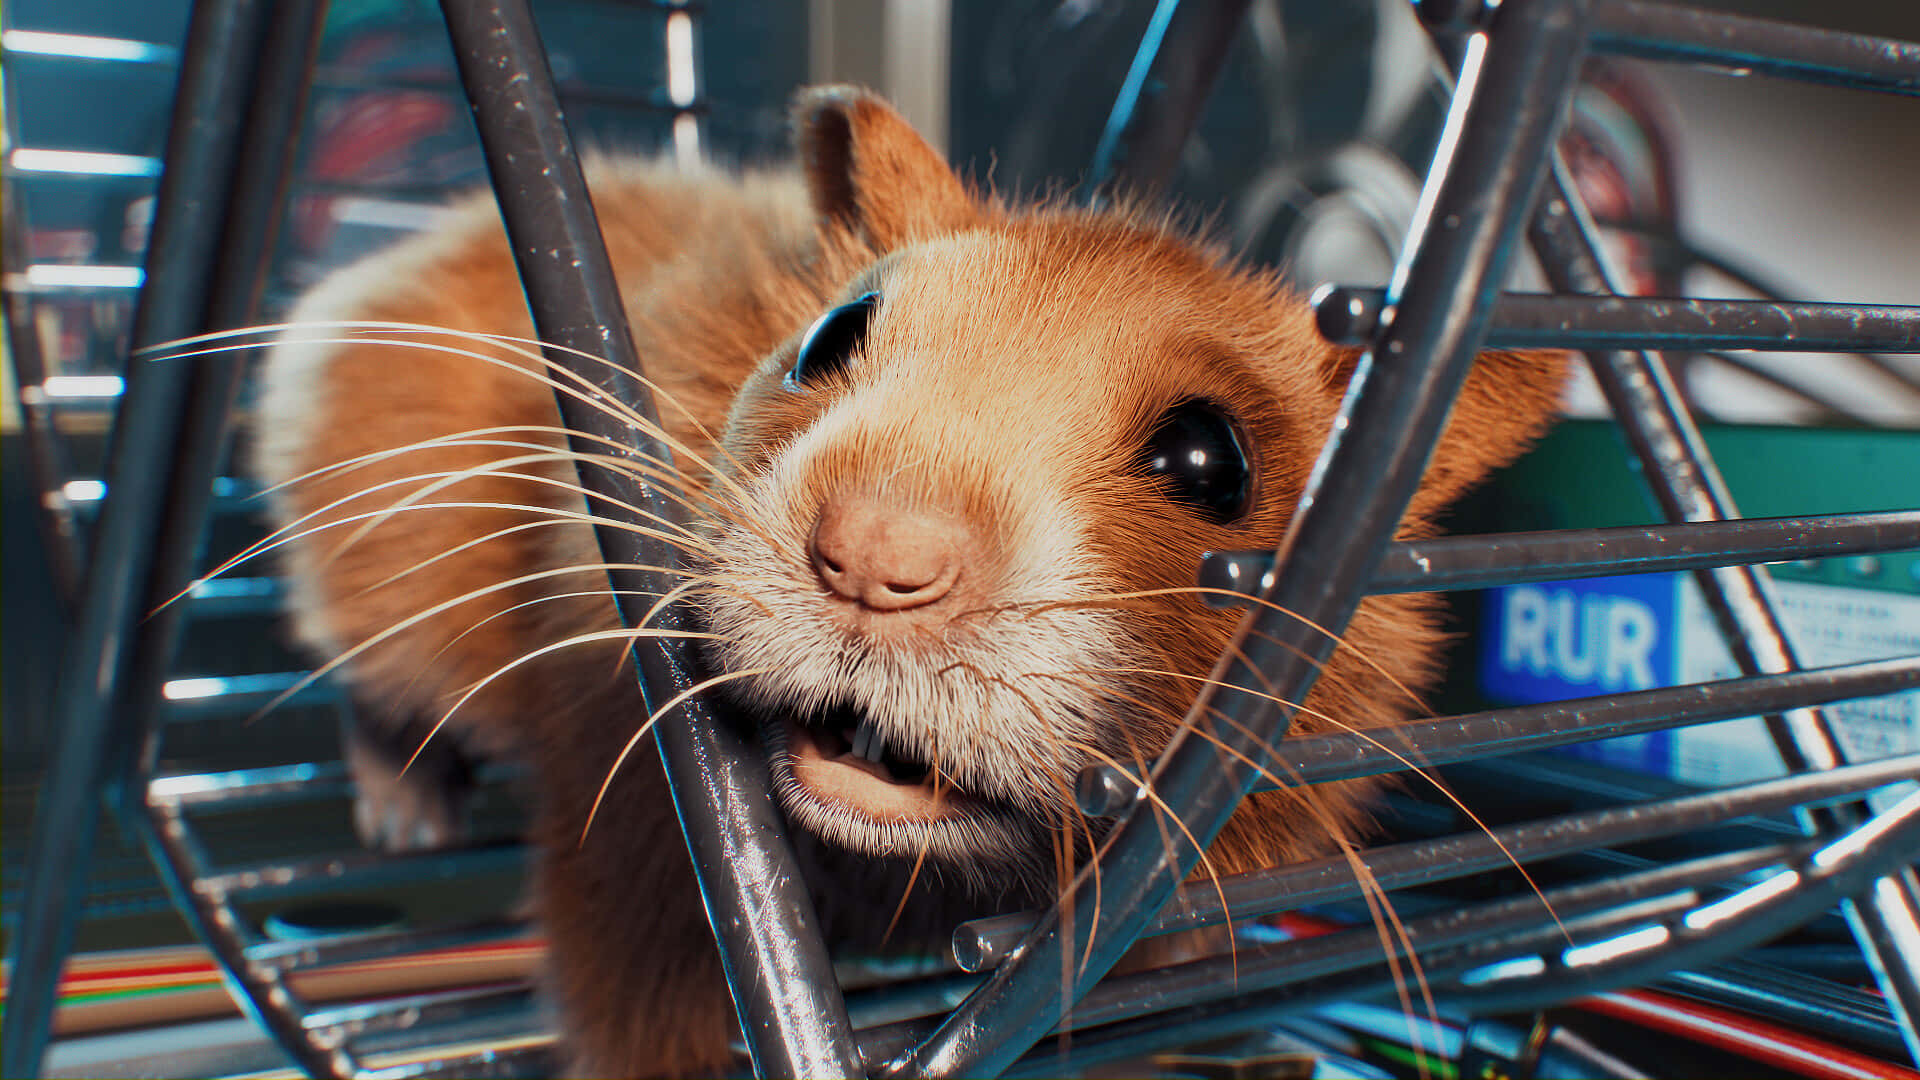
953, 463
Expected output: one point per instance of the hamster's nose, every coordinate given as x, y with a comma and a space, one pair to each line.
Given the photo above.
883, 557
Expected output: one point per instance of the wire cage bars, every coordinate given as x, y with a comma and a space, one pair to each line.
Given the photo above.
1495, 181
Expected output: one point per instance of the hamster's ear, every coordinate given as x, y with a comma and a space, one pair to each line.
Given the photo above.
869, 172
1508, 402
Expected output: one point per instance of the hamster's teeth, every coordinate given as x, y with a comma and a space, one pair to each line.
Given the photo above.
868, 742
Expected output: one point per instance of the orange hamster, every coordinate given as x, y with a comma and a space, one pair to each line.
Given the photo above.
953, 464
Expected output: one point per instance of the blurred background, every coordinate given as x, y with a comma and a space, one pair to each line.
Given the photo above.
1308, 156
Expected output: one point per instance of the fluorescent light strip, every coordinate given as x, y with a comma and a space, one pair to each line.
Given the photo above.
190, 689
680, 84
84, 491
83, 386
63, 275
1647, 937
1727, 907
1520, 968
85, 47
389, 213
82, 163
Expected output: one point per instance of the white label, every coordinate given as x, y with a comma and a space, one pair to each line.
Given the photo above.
1828, 624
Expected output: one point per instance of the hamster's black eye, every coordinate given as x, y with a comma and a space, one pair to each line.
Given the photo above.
1195, 449
830, 341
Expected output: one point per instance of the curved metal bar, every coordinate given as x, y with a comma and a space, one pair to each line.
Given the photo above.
982, 942
1286, 976
1475, 204
789, 1005
47, 459
1665, 32
1687, 486
1179, 60
1506, 956
1350, 315
213, 225
1103, 790
1840, 869
1478, 562
259, 989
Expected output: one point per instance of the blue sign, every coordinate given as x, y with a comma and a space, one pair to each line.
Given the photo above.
1579, 638
1584, 639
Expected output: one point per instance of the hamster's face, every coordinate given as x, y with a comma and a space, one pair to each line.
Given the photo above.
966, 509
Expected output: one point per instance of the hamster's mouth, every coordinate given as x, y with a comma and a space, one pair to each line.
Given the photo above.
840, 757
836, 777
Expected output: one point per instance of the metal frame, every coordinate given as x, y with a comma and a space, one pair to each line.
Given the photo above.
1517, 67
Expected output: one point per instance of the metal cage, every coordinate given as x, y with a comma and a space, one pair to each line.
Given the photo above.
1495, 182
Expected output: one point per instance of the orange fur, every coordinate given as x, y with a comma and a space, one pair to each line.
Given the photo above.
1019, 358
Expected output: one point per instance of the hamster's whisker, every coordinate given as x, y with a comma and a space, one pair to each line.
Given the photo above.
571, 388
499, 469
913, 876
289, 530
647, 725
497, 534
659, 392
627, 634
1166, 813
547, 516
1368, 736
1385, 917
576, 386
1064, 804
1125, 599
418, 617
1114, 693
359, 328
582, 594
669, 475
293, 533
661, 601
1300, 791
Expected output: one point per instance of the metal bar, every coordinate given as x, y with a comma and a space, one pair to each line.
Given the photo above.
1478, 562
1173, 72
254, 208
407, 1011
203, 148
1477, 198
530, 1060
260, 991
363, 869
1298, 973
296, 955
1350, 315
1674, 245
1745, 44
251, 787
229, 492
1687, 486
47, 460
263, 169
790, 1009
1104, 791
194, 698
352, 948
1851, 863
982, 942
1782, 994
1617, 946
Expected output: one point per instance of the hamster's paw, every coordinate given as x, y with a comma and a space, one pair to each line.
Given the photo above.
401, 807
